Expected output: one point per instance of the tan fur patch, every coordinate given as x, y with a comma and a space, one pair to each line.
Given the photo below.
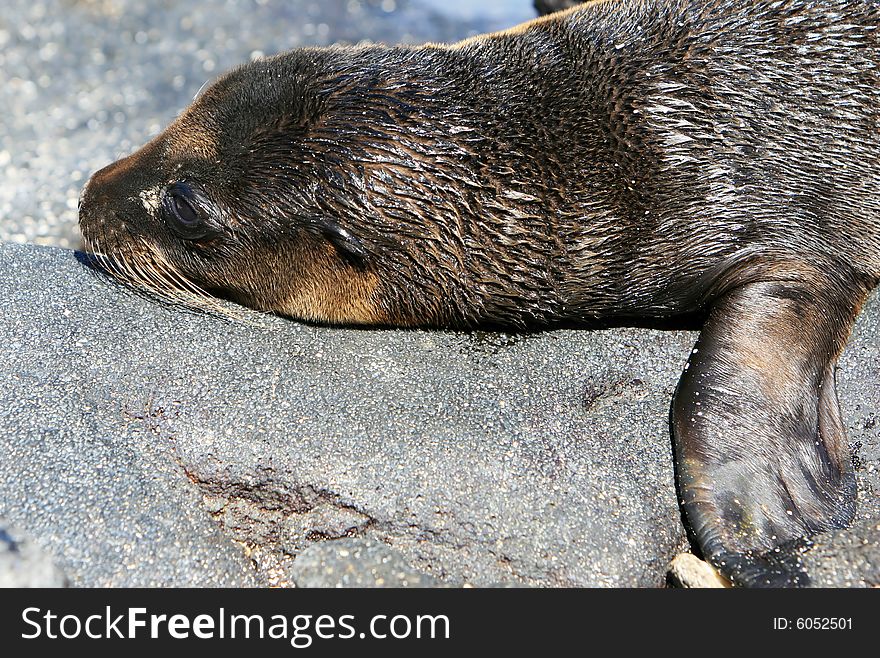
329, 292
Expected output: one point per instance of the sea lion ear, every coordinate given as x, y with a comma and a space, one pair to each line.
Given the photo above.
348, 244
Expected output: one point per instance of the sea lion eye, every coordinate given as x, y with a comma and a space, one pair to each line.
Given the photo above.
183, 213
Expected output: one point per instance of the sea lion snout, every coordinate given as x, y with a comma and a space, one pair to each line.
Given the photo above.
98, 191
121, 191
103, 184
99, 203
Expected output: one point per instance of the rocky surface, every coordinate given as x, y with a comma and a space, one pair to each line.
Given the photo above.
22, 564
148, 445
847, 558
355, 563
77, 475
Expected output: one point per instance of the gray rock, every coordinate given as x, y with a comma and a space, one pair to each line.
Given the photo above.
22, 564
481, 458
846, 558
82, 471
355, 563
687, 570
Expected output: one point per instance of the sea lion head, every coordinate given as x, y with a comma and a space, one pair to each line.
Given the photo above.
329, 185
243, 196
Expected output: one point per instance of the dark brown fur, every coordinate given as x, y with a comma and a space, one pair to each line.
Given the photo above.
625, 159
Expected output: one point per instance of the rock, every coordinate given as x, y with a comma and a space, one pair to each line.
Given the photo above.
355, 563
482, 458
687, 570
82, 472
846, 558
22, 564
151, 445
549, 6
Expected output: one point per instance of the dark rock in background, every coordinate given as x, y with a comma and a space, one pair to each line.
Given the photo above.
544, 7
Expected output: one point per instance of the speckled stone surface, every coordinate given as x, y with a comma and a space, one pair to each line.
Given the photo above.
352, 562
23, 564
148, 445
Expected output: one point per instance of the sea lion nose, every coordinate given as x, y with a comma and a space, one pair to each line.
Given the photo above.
106, 184
115, 191
110, 202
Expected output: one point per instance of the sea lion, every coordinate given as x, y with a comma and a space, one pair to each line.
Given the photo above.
617, 161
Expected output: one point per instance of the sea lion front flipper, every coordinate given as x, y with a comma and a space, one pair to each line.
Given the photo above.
761, 451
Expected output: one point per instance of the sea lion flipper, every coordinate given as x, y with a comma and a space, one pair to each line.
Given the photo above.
761, 451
